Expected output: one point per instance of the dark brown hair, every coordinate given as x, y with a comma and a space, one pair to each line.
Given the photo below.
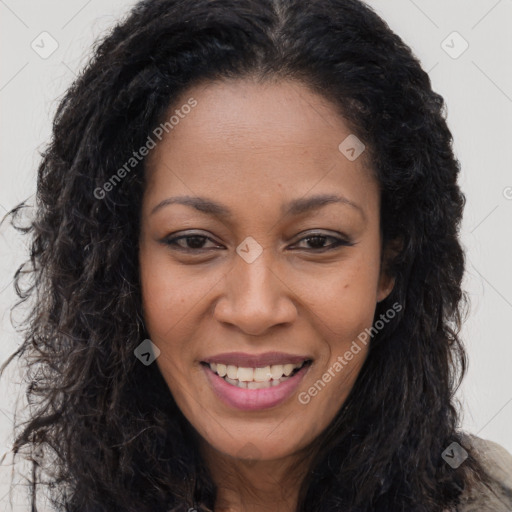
112, 435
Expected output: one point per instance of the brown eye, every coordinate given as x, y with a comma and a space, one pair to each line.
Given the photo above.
189, 243
317, 242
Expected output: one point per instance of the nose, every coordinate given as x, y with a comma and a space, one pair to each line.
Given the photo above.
256, 296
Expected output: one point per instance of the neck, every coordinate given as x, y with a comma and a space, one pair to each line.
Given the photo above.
245, 485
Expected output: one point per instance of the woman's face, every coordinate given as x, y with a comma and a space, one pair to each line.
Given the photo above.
272, 273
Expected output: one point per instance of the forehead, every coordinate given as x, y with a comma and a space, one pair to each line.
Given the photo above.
255, 140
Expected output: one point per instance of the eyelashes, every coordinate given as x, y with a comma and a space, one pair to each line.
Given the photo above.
173, 242
337, 242
194, 243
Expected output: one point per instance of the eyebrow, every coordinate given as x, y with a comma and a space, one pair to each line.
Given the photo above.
294, 207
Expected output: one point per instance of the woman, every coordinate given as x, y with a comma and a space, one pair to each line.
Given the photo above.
248, 272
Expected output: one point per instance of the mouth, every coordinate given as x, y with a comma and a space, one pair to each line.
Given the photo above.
256, 378
255, 388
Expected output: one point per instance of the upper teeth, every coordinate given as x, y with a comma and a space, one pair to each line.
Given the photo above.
264, 374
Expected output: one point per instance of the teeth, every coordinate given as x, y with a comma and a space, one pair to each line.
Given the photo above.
258, 385
288, 368
255, 385
277, 371
236, 383
245, 374
260, 374
254, 378
232, 371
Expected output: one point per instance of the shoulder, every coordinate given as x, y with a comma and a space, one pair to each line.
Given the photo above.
497, 462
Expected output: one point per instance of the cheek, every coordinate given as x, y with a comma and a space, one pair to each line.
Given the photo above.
344, 307
168, 293
346, 298
166, 302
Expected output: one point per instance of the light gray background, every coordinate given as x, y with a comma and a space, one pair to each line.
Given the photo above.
477, 87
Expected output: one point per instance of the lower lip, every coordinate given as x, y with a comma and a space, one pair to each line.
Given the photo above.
254, 399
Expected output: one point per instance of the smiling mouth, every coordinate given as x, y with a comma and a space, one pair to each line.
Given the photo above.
256, 378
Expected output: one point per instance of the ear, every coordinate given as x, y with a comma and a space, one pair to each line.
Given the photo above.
386, 281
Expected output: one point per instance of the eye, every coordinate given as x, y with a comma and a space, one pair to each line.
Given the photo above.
189, 243
196, 242
317, 242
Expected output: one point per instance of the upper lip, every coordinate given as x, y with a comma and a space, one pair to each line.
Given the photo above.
255, 361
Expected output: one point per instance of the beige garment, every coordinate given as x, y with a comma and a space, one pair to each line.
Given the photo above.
498, 463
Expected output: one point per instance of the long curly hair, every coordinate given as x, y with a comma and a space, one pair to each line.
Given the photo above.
104, 432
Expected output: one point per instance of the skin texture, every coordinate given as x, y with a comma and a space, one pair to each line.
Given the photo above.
254, 147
